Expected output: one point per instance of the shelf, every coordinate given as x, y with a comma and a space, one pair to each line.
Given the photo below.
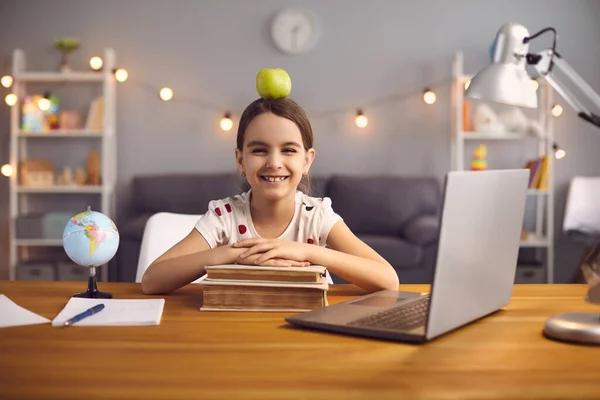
61, 133
496, 136
102, 137
537, 192
60, 189
535, 242
59, 76
39, 242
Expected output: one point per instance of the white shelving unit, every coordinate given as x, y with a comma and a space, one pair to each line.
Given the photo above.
20, 196
542, 239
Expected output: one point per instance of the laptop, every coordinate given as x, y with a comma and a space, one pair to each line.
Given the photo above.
478, 245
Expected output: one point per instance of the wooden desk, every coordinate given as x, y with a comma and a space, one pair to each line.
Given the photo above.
195, 354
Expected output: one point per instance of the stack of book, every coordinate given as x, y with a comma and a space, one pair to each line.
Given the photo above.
237, 287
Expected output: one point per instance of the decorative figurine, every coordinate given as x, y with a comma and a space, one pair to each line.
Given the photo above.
479, 162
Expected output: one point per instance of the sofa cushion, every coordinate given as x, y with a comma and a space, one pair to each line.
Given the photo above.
134, 228
384, 204
318, 186
182, 193
398, 252
422, 230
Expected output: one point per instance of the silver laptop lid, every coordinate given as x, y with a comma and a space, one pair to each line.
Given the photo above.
478, 246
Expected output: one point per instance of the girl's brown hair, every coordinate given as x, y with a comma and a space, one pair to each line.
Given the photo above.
285, 108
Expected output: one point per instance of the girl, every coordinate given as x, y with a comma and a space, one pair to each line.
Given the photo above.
273, 223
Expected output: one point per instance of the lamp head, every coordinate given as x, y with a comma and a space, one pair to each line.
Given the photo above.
505, 79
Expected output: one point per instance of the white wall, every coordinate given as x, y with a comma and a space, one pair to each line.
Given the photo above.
368, 50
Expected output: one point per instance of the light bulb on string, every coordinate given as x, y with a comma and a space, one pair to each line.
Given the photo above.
467, 83
429, 96
361, 119
6, 81
166, 94
226, 122
557, 110
121, 74
96, 63
44, 102
7, 170
558, 152
11, 99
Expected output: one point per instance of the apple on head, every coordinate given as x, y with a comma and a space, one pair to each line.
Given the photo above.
273, 83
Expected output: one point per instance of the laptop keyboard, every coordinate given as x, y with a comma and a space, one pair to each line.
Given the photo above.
402, 318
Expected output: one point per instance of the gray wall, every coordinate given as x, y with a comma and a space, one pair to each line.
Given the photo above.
368, 50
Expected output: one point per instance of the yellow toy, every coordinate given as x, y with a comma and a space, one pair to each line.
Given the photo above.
479, 163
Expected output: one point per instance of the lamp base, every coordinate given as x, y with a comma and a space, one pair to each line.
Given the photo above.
581, 328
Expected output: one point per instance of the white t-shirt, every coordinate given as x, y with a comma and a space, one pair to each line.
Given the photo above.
229, 220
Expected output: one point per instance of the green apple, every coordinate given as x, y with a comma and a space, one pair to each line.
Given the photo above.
273, 83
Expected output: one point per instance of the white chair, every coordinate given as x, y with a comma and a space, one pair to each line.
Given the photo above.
582, 213
163, 230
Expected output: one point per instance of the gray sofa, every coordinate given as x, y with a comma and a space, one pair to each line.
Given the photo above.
397, 216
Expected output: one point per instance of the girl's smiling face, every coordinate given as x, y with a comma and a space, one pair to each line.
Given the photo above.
273, 157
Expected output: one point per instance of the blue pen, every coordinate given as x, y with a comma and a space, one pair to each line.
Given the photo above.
86, 313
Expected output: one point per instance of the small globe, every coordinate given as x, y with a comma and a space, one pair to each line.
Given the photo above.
90, 239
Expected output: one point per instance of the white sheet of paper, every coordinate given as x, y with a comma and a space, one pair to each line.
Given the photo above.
116, 312
12, 314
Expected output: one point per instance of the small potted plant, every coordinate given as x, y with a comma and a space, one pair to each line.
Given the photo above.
66, 45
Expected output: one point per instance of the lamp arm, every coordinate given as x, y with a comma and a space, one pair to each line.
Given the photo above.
547, 63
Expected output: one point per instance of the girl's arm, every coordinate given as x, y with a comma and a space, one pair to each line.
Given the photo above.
348, 257
353, 260
184, 263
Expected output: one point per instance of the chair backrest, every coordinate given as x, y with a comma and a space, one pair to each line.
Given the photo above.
163, 230
582, 213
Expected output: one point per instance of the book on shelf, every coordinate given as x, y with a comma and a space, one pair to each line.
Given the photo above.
538, 177
237, 287
95, 117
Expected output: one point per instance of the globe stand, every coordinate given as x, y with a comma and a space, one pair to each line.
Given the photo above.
92, 290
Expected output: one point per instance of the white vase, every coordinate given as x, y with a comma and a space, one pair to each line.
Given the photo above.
65, 66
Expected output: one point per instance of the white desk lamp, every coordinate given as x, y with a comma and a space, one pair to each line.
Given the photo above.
506, 81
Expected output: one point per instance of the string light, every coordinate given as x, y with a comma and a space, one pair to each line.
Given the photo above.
6, 81
96, 63
558, 152
7, 170
361, 119
557, 110
467, 83
121, 74
226, 122
44, 104
428, 96
166, 94
11, 99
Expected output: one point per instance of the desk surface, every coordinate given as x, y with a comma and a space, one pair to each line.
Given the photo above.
219, 355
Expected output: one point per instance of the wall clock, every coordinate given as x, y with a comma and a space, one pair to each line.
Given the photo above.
294, 31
